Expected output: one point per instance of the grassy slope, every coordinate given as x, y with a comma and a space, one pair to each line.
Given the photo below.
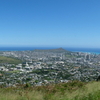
71, 91
9, 60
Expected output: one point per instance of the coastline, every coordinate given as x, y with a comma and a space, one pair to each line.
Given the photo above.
84, 50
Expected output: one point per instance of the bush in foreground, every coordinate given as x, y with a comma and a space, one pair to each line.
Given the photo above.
74, 90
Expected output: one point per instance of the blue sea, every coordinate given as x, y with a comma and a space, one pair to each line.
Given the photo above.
88, 50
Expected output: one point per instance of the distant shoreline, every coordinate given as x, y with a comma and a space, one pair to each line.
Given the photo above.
84, 50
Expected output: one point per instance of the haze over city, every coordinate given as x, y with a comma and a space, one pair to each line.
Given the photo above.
61, 23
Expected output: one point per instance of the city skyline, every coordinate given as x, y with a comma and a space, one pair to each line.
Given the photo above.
50, 23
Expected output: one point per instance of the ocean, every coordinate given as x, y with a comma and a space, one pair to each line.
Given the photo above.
88, 50
85, 50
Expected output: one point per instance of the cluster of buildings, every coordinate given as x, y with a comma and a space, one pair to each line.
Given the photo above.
44, 67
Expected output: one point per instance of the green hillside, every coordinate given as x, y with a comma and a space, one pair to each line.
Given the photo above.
9, 60
65, 91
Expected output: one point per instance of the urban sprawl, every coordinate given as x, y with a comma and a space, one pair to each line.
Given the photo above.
42, 67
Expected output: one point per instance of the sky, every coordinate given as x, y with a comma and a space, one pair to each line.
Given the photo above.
50, 23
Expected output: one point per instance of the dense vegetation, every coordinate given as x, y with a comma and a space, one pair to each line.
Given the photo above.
74, 90
9, 60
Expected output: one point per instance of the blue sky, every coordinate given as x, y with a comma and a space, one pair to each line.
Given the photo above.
61, 23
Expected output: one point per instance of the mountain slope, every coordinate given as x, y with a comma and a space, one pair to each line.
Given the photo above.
52, 50
74, 90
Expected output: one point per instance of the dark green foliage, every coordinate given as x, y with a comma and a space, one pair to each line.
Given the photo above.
65, 75
27, 85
